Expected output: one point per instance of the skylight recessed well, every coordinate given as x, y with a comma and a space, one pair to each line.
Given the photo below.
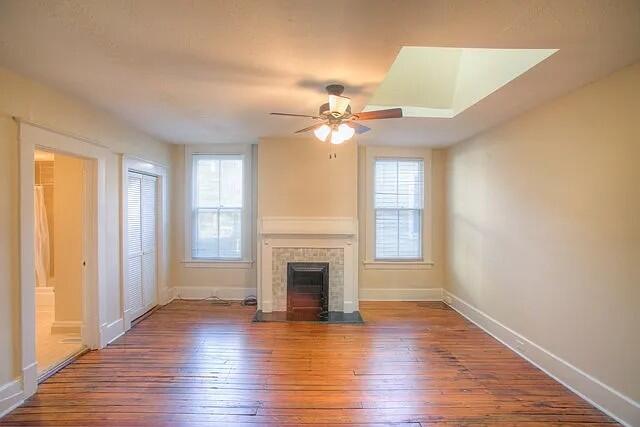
443, 82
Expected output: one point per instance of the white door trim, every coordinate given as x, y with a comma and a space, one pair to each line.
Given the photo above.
145, 167
30, 138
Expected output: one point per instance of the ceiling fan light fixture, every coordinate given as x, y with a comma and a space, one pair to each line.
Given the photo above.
336, 139
322, 132
345, 131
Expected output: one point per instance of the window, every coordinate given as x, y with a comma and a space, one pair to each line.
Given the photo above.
398, 205
217, 206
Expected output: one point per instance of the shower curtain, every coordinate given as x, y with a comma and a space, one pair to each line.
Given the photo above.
41, 237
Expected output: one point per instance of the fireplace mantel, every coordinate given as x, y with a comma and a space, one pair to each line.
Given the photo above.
308, 232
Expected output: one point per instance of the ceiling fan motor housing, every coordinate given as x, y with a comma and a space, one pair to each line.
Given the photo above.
335, 89
324, 111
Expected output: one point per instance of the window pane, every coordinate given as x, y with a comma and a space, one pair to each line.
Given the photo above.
386, 233
205, 239
399, 184
398, 233
231, 183
386, 184
230, 233
207, 183
409, 232
410, 183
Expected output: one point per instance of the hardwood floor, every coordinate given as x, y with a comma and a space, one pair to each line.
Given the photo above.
192, 363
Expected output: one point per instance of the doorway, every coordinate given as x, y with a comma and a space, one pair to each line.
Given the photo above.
60, 226
94, 332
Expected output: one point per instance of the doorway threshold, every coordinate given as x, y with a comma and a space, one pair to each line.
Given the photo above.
45, 375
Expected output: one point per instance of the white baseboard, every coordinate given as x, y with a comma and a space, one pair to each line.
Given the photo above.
348, 307
607, 399
172, 293
266, 306
10, 396
29, 380
13, 393
202, 292
66, 327
109, 332
167, 295
392, 294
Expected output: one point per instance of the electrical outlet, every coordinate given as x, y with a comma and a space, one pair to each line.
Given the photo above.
519, 345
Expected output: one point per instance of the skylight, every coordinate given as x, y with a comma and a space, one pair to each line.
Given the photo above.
444, 81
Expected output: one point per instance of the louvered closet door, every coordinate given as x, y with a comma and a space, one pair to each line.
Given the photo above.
148, 203
141, 244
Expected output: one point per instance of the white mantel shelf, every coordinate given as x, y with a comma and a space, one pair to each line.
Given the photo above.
328, 226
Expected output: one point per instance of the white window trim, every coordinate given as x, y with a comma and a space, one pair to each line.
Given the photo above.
370, 262
419, 258
245, 151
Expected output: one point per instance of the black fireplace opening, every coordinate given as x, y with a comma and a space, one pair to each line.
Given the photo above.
307, 290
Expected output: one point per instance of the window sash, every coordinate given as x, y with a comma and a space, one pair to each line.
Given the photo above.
396, 185
215, 247
399, 252
239, 195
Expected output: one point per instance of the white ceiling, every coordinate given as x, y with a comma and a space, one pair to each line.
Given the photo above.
211, 71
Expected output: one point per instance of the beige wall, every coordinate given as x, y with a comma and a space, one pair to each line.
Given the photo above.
379, 282
297, 178
32, 101
68, 222
544, 227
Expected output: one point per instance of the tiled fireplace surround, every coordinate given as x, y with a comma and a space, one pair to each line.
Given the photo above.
308, 239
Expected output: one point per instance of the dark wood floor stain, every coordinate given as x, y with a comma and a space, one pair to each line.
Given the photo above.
193, 363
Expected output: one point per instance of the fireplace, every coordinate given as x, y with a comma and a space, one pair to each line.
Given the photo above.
307, 290
322, 253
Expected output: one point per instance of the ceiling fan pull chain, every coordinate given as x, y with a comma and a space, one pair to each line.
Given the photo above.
331, 155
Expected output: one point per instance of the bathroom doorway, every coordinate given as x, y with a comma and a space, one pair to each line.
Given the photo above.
59, 253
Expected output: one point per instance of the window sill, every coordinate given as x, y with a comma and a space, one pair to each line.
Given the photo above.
398, 265
211, 263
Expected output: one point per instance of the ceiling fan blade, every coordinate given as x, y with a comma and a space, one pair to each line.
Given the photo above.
360, 129
391, 113
338, 104
295, 115
307, 129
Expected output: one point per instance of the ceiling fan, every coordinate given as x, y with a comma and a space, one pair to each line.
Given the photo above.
337, 120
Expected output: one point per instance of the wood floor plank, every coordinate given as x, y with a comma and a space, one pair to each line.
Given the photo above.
411, 364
